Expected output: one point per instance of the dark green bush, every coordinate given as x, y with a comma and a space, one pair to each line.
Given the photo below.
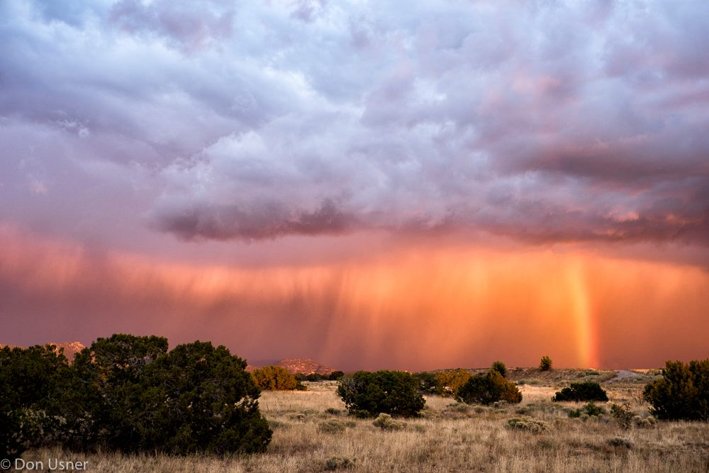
545, 363
587, 391
33, 386
276, 378
199, 398
488, 388
500, 368
372, 393
681, 393
129, 394
428, 384
335, 376
110, 376
590, 410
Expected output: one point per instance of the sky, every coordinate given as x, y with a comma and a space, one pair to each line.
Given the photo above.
370, 185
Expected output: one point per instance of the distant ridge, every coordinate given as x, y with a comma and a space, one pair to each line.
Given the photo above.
70, 348
296, 366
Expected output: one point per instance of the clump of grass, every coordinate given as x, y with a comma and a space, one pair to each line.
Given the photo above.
332, 426
620, 443
623, 415
332, 411
587, 411
527, 424
387, 422
644, 422
546, 444
458, 407
338, 463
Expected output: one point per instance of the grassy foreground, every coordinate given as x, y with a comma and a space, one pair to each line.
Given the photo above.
312, 433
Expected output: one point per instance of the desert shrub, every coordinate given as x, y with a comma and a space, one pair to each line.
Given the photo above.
500, 368
112, 372
312, 377
276, 378
372, 393
644, 422
527, 424
620, 443
622, 415
449, 381
428, 384
545, 363
129, 394
587, 391
335, 376
589, 410
681, 393
332, 426
338, 463
487, 389
387, 422
199, 398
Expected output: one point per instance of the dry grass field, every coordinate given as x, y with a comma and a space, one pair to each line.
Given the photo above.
312, 433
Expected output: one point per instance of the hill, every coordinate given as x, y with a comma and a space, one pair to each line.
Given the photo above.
70, 348
296, 366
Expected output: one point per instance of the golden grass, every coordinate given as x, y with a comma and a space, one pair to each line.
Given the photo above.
312, 433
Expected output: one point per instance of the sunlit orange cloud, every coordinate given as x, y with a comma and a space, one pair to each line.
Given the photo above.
413, 307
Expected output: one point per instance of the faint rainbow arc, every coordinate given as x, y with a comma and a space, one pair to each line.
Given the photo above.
582, 311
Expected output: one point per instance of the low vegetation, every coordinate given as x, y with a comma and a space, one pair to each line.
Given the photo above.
275, 378
443, 382
313, 377
578, 392
681, 393
130, 394
390, 392
500, 367
489, 388
467, 438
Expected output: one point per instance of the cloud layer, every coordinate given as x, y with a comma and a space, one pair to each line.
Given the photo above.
541, 121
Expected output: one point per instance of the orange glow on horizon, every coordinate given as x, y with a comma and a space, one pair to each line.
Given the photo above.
414, 307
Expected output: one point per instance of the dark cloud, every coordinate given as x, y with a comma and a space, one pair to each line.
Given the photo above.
268, 220
552, 121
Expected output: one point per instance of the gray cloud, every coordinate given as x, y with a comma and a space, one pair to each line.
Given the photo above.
549, 121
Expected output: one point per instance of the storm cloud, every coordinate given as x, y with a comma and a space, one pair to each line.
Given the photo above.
540, 121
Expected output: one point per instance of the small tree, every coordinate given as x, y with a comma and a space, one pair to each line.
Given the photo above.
129, 394
106, 405
500, 368
390, 392
681, 393
488, 388
276, 378
587, 391
199, 398
545, 363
